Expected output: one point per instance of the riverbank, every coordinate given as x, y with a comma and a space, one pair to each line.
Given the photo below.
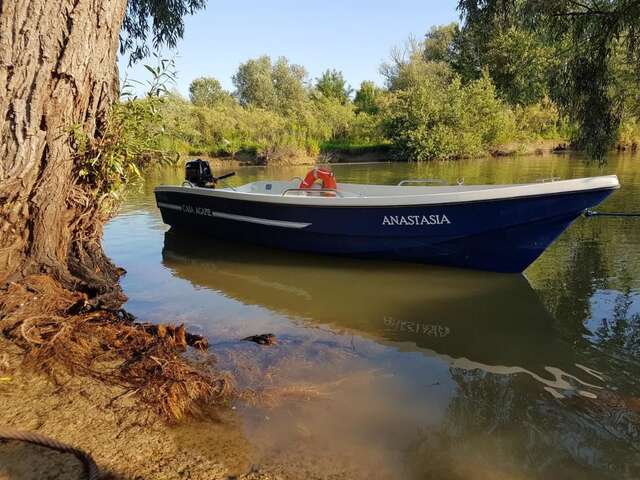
370, 153
126, 442
132, 395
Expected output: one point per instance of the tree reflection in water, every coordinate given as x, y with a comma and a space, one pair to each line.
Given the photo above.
489, 416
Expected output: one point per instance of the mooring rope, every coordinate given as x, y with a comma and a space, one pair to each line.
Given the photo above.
90, 467
593, 213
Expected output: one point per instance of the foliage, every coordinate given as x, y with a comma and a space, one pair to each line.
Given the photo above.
629, 135
401, 58
520, 64
162, 76
366, 99
254, 83
540, 121
228, 129
333, 85
164, 19
436, 116
439, 43
464, 90
207, 92
130, 137
586, 37
279, 86
409, 69
276, 115
518, 61
428, 112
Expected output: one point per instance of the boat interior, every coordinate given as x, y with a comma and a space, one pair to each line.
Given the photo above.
415, 191
198, 175
406, 187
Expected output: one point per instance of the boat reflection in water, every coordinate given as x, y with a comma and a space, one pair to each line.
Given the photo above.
472, 320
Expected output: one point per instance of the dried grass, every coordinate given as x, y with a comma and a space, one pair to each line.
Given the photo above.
62, 336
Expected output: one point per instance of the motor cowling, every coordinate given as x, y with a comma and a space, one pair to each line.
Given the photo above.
198, 173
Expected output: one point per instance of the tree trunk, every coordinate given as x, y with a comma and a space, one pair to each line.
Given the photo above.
58, 74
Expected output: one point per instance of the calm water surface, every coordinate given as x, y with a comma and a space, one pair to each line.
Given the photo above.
396, 370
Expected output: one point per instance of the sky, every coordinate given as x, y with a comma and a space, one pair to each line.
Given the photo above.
352, 36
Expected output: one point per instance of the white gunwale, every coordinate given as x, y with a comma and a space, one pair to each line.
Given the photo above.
358, 195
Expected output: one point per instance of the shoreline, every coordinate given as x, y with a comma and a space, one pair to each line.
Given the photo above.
131, 395
377, 154
125, 440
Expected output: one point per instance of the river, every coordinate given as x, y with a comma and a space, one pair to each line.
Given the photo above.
398, 370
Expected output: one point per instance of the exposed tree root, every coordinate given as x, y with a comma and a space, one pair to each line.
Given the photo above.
62, 333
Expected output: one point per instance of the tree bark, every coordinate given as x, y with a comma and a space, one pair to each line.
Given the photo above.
58, 73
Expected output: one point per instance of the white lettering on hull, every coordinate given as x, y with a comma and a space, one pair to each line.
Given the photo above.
416, 220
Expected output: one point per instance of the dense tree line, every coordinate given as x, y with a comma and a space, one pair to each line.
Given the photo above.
426, 111
274, 111
511, 73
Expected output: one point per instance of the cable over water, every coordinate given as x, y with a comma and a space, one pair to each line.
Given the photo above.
593, 213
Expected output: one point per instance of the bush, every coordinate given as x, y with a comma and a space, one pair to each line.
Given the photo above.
540, 121
435, 116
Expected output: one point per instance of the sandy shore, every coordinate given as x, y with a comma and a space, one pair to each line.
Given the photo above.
125, 442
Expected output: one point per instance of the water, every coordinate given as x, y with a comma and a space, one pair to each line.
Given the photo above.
395, 370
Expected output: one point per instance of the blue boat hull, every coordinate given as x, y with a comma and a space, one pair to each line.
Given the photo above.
504, 235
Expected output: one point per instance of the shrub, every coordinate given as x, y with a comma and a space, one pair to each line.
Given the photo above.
539, 121
435, 116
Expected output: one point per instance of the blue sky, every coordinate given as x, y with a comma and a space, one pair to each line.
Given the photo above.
352, 36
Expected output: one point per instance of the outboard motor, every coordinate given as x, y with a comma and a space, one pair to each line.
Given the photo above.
198, 173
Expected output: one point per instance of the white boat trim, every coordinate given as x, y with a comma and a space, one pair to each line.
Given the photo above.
385, 195
242, 218
170, 206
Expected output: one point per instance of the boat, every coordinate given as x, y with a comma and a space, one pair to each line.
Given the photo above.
501, 228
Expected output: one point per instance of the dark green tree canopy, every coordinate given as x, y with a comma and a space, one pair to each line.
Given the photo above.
154, 23
439, 43
585, 36
333, 85
520, 66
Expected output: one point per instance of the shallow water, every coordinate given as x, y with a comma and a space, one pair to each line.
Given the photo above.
395, 370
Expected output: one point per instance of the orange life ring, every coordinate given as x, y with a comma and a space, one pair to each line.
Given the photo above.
327, 176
